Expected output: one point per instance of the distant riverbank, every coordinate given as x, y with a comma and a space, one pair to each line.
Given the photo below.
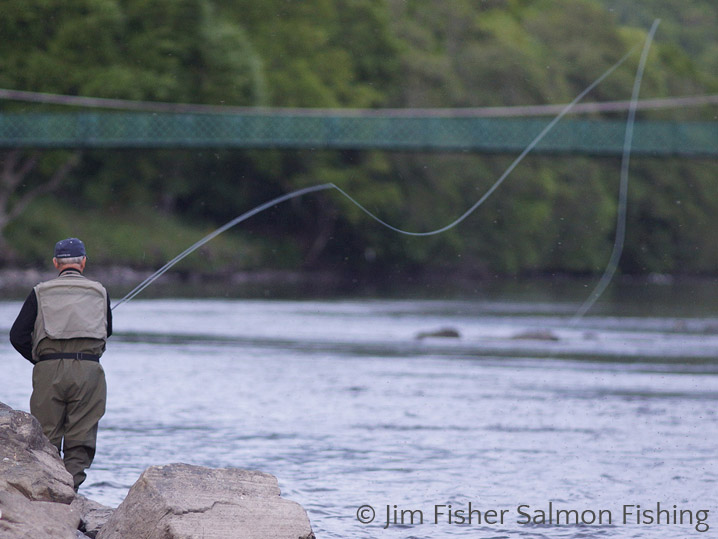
16, 282
660, 290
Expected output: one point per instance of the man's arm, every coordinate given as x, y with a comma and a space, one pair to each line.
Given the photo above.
21, 331
109, 317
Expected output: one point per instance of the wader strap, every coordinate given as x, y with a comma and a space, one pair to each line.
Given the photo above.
70, 355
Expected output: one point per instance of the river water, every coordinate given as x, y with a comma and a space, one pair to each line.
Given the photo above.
356, 416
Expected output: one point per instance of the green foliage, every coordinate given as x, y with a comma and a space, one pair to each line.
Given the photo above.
137, 237
161, 50
553, 214
322, 53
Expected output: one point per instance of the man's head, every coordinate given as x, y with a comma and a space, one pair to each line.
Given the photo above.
70, 253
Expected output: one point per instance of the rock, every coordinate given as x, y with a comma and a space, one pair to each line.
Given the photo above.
186, 501
450, 333
24, 518
711, 329
29, 463
92, 514
537, 335
37, 498
35, 489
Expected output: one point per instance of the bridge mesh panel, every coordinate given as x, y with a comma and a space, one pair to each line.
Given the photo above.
282, 130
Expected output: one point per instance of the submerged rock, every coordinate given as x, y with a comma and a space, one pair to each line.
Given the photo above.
445, 333
35, 489
537, 335
182, 501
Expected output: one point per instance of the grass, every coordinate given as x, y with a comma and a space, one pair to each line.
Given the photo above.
140, 238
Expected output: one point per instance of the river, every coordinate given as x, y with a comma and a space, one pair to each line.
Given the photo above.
611, 421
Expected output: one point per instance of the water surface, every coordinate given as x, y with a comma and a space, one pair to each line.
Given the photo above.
347, 407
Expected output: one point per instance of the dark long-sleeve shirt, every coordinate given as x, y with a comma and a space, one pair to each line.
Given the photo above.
21, 331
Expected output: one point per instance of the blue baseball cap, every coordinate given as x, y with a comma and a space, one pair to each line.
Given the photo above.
69, 248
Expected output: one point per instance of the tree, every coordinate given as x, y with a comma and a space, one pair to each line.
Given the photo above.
16, 170
553, 214
165, 50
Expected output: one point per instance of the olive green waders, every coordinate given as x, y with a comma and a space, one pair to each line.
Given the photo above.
68, 399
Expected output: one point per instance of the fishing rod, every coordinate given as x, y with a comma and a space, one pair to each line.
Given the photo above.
327, 186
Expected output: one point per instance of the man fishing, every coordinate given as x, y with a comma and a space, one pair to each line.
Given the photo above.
62, 329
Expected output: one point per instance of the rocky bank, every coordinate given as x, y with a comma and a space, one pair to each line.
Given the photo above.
173, 501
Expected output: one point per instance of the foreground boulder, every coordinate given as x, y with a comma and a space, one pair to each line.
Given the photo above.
37, 499
35, 489
185, 501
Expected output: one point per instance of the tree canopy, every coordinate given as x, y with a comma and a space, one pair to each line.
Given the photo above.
555, 214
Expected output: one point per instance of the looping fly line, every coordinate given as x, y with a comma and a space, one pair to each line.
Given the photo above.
620, 230
620, 235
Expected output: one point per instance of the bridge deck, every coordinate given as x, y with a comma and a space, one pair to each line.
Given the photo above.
102, 129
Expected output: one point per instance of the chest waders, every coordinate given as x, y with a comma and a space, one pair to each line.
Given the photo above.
69, 388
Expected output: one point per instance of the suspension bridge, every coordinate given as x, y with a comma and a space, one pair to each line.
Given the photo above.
320, 130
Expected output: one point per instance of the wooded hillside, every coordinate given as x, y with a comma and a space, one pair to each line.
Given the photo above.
553, 214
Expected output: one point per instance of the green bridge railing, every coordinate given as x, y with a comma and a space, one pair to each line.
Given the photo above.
316, 131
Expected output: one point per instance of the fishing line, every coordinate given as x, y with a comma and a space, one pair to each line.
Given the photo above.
156, 275
300, 192
508, 171
623, 190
